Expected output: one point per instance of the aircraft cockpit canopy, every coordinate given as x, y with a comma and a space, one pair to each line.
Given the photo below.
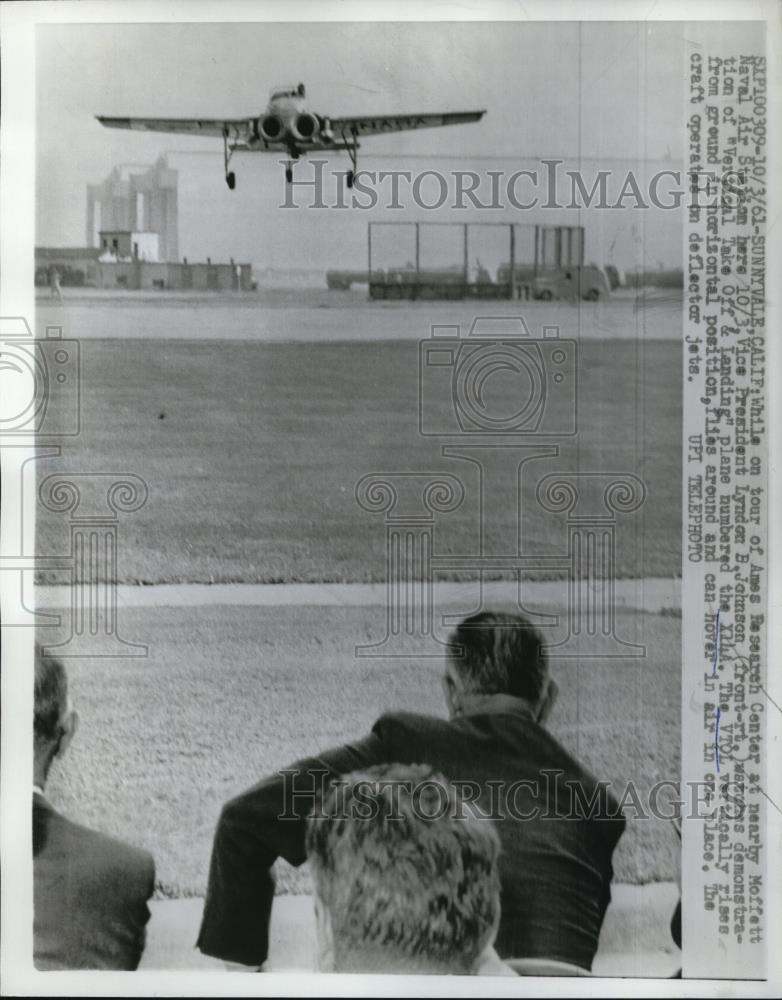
288, 90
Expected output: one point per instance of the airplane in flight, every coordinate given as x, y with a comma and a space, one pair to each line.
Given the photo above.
288, 125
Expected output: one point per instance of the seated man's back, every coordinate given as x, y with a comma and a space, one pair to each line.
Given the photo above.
557, 838
90, 890
555, 864
90, 895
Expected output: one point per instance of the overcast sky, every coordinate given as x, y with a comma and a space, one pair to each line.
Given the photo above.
550, 89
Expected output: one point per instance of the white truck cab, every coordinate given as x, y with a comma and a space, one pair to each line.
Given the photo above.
584, 281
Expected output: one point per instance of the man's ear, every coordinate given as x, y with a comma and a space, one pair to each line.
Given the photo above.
548, 701
68, 728
451, 693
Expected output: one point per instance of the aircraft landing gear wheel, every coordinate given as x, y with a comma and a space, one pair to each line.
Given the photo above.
230, 180
350, 178
288, 175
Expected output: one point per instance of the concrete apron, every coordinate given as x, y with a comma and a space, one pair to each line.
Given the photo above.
651, 595
635, 940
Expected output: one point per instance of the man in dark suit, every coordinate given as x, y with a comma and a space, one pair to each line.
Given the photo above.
90, 890
557, 825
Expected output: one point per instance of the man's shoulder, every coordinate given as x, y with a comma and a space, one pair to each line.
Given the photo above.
394, 724
508, 734
523, 745
105, 857
578, 788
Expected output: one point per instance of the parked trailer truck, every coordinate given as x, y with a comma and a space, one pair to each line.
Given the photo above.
585, 281
340, 281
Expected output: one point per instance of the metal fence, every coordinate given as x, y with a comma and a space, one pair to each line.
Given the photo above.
455, 260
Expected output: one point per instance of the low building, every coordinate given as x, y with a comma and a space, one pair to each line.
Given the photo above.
125, 244
102, 268
148, 275
76, 266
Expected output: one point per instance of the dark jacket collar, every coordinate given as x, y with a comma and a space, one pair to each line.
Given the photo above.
496, 704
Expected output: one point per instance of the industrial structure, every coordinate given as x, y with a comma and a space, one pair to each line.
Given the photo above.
133, 240
131, 201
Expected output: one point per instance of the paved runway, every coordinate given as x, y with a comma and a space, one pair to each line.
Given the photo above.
335, 319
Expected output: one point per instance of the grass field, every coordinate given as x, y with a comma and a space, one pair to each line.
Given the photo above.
229, 694
252, 452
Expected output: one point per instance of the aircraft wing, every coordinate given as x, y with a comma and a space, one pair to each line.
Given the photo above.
239, 129
380, 124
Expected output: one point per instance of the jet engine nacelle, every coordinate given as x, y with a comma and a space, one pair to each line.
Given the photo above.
271, 127
305, 127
